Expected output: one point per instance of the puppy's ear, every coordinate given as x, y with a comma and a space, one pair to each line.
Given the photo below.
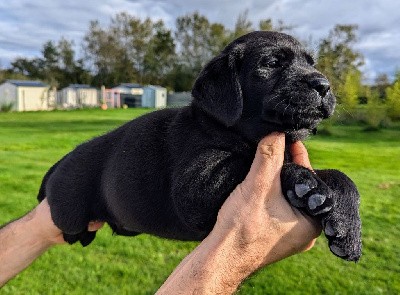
217, 90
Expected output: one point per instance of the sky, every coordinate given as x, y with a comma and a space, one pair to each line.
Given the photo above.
25, 25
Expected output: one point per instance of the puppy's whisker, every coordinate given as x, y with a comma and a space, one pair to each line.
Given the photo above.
284, 111
278, 104
349, 113
272, 98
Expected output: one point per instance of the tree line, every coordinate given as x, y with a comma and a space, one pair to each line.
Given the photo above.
130, 49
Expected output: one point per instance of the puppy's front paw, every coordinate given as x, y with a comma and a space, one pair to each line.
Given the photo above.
344, 235
303, 189
332, 197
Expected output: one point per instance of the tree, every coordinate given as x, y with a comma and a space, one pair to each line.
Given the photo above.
159, 58
393, 98
107, 57
49, 63
71, 70
30, 68
267, 25
192, 32
129, 50
219, 37
57, 65
243, 25
198, 41
9, 74
350, 90
336, 57
380, 85
133, 36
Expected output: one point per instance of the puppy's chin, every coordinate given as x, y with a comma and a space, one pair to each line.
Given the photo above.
256, 129
296, 135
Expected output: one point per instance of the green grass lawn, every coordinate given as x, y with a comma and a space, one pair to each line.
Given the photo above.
31, 142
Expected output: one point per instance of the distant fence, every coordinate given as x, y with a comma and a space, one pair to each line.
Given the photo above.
179, 99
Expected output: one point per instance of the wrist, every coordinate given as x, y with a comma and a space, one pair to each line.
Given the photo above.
35, 231
39, 229
225, 261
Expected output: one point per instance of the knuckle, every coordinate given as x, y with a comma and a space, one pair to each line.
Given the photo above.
267, 150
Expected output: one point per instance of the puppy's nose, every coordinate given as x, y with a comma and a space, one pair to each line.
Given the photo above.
321, 85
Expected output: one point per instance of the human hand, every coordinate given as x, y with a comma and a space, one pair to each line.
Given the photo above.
45, 227
264, 227
256, 226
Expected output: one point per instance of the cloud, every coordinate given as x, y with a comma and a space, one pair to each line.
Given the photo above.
26, 24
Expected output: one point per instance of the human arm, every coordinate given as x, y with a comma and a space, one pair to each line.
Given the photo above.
25, 239
255, 227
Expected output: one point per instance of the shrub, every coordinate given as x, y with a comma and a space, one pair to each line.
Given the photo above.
6, 107
393, 101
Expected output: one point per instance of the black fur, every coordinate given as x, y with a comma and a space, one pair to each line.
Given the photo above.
167, 173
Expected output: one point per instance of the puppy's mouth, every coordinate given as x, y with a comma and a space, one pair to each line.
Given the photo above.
299, 118
294, 120
297, 125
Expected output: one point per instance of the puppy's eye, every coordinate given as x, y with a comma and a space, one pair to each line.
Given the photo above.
310, 60
271, 62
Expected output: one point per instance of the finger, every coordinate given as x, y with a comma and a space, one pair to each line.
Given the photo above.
267, 164
310, 245
300, 155
95, 225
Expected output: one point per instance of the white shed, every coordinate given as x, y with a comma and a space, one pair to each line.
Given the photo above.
129, 88
78, 95
154, 96
25, 95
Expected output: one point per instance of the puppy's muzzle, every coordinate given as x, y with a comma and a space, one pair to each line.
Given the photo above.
323, 87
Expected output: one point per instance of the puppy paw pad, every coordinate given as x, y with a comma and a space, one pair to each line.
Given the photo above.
294, 201
301, 189
316, 200
324, 210
329, 231
337, 251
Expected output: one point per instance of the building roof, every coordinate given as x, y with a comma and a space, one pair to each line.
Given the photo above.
27, 83
155, 87
80, 86
129, 85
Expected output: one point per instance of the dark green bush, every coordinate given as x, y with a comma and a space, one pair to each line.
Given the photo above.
6, 107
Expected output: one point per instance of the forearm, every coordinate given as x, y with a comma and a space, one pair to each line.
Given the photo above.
214, 267
20, 245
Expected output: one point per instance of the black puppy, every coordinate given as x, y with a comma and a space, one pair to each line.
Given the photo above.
167, 173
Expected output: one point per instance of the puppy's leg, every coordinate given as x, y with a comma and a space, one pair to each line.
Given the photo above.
200, 191
70, 195
333, 198
342, 225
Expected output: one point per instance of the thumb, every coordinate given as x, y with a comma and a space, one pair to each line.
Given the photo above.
267, 165
300, 155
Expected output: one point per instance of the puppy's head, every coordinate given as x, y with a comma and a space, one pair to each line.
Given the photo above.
264, 82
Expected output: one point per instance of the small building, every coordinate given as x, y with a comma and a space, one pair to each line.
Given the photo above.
25, 95
77, 96
130, 94
129, 88
154, 97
